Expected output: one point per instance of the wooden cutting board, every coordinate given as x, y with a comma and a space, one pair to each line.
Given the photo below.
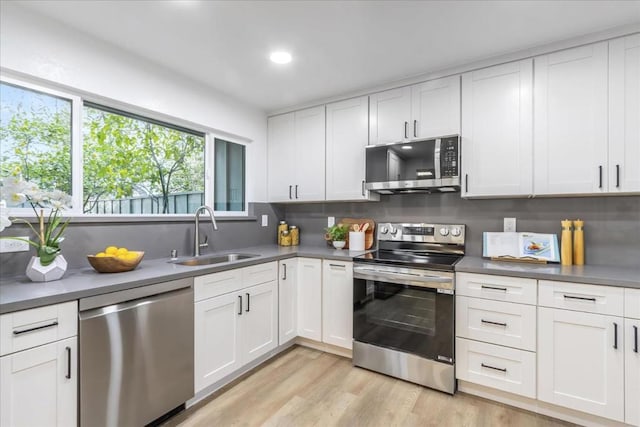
369, 235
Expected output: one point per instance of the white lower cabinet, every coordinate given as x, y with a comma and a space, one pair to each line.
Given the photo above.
310, 298
632, 371
337, 307
38, 387
287, 300
237, 327
581, 361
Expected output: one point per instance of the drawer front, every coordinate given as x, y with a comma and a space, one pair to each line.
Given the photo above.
499, 288
261, 273
582, 297
496, 322
30, 328
215, 284
632, 303
498, 367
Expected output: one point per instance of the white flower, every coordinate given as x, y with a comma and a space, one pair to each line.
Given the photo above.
4, 217
58, 199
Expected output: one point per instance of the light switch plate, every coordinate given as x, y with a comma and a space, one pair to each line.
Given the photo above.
331, 221
509, 225
10, 245
265, 220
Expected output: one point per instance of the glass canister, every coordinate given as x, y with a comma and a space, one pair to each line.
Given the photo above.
295, 235
282, 226
285, 238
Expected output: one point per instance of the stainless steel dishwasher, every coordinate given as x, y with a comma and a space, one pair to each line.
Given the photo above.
136, 354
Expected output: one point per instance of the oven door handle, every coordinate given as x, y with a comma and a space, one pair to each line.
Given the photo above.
412, 279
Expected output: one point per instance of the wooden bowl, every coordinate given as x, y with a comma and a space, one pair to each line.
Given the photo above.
111, 264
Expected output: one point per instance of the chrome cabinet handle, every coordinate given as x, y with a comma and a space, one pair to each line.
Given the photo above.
68, 350
615, 335
405, 130
580, 298
248, 302
240, 309
617, 176
466, 182
338, 266
493, 288
290, 191
493, 367
493, 323
37, 328
284, 271
296, 191
635, 339
600, 176
415, 128
363, 187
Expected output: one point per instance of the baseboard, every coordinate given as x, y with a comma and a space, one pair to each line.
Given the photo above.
537, 406
327, 348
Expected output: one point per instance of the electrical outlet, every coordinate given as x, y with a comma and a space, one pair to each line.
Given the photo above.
331, 221
509, 225
10, 245
265, 220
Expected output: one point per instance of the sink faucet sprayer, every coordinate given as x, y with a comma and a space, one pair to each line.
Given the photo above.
196, 238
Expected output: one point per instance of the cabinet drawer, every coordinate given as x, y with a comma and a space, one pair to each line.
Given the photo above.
582, 297
261, 273
496, 322
499, 288
37, 326
212, 285
632, 303
490, 365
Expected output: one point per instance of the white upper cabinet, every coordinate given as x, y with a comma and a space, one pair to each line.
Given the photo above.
389, 115
497, 124
421, 111
296, 155
570, 131
435, 108
347, 136
624, 114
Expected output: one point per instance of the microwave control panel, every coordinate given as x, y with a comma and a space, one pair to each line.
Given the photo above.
449, 157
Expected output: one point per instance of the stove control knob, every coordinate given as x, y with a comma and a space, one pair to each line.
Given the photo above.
393, 230
444, 231
383, 230
455, 232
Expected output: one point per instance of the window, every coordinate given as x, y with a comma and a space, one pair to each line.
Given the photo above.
113, 161
35, 138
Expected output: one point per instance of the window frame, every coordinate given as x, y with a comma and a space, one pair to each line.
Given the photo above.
77, 104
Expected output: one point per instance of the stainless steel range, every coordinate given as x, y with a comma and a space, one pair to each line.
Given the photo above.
403, 303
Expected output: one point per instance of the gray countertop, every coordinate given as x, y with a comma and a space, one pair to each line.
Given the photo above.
593, 274
21, 293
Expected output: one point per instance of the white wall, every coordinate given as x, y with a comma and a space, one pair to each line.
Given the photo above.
34, 46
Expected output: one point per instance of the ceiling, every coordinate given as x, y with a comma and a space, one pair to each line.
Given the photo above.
337, 46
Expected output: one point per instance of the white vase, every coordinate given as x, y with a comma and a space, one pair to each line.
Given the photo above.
339, 244
41, 273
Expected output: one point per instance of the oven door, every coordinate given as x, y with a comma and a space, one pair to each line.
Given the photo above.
410, 311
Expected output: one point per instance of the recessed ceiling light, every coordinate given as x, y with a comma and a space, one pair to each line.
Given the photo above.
280, 57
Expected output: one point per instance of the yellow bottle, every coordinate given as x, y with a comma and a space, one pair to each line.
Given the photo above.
578, 242
566, 251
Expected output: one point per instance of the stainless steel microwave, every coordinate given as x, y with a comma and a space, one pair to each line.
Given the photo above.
431, 165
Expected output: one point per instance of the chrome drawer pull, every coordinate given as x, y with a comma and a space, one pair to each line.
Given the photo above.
494, 368
337, 265
37, 328
493, 288
615, 335
592, 299
635, 339
493, 323
68, 350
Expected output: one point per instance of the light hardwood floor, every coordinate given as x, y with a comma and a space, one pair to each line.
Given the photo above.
304, 387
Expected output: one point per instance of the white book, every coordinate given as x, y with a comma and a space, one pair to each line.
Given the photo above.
521, 245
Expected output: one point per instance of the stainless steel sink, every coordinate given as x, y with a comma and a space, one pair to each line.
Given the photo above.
214, 259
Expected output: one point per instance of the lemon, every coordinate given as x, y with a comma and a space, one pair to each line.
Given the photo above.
122, 252
130, 256
101, 254
111, 250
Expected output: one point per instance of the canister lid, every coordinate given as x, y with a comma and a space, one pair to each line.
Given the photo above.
285, 232
293, 227
283, 222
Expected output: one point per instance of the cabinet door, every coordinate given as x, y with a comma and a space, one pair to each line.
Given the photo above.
281, 156
287, 301
570, 115
347, 137
497, 124
216, 345
632, 371
579, 366
435, 108
38, 387
310, 298
309, 162
389, 116
337, 303
624, 114
259, 320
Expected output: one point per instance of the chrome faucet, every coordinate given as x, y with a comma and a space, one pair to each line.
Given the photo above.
196, 238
